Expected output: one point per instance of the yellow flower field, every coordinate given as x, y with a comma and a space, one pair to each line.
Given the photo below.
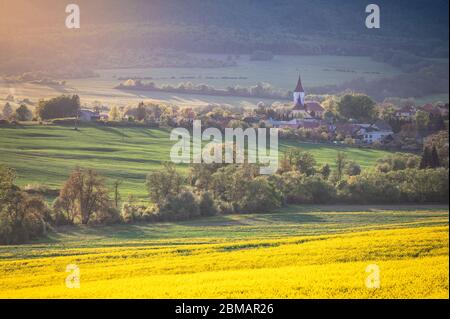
413, 263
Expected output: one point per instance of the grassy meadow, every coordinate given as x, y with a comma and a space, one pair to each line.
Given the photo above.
296, 252
45, 154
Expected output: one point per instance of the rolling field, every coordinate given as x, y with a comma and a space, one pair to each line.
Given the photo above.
297, 252
282, 72
46, 154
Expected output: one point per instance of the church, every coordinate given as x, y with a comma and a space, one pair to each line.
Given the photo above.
304, 109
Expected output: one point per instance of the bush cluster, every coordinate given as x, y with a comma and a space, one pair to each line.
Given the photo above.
211, 189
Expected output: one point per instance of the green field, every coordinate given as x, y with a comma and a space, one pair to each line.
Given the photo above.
294, 220
45, 154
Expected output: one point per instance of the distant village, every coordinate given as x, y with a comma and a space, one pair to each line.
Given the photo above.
397, 127
401, 127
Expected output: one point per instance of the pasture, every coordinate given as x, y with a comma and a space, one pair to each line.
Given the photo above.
45, 154
282, 72
296, 252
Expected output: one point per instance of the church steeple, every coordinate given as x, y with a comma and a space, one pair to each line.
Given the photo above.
299, 87
299, 94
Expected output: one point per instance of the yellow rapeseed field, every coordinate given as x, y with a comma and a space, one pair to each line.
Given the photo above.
412, 262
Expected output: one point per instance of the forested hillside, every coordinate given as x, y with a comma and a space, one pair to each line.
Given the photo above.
115, 32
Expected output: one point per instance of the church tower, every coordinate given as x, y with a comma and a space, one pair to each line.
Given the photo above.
299, 95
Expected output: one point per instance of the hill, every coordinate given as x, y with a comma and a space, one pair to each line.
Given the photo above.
114, 33
45, 154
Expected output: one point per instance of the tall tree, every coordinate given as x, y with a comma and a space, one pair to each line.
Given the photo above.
422, 120
356, 106
304, 162
114, 113
425, 161
7, 111
116, 193
23, 113
325, 171
141, 112
164, 182
434, 158
340, 165
84, 193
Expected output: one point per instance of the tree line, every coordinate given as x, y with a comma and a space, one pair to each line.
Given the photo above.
210, 189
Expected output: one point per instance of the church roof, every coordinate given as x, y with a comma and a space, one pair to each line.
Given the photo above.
299, 107
314, 106
299, 87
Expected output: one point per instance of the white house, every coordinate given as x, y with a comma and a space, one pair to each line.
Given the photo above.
376, 132
88, 115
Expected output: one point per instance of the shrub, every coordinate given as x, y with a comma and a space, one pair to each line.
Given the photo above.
106, 216
58, 107
23, 217
397, 161
22, 113
224, 208
133, 213
410, 185
370, 188
180, 206
164, 183
352, 168
301, 189
259, 196
207, 205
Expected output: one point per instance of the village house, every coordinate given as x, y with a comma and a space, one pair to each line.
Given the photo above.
444, 109
407, 112
104, 116
346, 129
377, 132
297, 123
435, 110
431, 109
86, 115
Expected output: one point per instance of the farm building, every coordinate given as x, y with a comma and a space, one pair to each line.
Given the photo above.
88, 115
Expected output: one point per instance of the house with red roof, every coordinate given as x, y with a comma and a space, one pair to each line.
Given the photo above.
314, 109
430, 109
407, 112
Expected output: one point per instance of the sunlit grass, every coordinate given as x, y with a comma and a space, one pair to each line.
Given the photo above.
46, 154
